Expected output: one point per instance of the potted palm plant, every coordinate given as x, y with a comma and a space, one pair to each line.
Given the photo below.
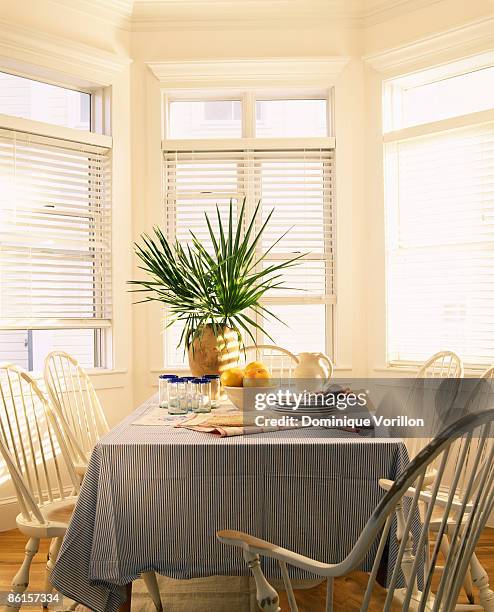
212, 292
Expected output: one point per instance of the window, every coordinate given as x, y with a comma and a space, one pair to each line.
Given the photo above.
205, 119
55, 238
440, 228
293, 175
21, 97
291, 118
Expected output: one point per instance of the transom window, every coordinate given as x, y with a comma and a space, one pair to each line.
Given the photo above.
30, 99
440, 216
279, 151
55, 225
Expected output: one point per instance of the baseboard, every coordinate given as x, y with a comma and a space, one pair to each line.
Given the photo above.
9, 509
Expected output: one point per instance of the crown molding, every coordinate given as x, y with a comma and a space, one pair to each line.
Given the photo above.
151, 15
319, 71
474, 37
58, 54
379, 11
162, 15
116, 13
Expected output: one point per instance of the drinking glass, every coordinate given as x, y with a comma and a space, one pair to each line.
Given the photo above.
164, 379
177, 398
189, 391
203, 398
215, 389
195, 391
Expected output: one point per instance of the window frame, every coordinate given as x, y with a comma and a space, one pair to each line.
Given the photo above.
249, 141
392, 92
99, 134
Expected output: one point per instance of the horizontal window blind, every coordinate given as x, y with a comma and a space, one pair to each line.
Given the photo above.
55, 233
298, 183
440, 245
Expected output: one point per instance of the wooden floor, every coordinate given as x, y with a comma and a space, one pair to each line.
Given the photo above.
348, 590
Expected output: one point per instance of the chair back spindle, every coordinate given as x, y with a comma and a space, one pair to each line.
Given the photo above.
279, 361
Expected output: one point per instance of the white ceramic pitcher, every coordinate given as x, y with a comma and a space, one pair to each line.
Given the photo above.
313, 365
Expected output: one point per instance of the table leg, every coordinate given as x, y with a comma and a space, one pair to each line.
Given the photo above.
125, 607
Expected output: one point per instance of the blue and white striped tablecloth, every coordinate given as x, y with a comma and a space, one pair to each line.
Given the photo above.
154, 497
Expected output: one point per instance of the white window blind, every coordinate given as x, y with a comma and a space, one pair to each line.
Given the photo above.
440, 245
55, 233
299, 184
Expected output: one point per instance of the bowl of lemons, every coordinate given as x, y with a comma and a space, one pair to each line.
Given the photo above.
235, 380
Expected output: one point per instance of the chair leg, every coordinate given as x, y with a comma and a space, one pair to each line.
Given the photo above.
21, 579
51, 559
267, 597
467, 582
152, 586
329, 594
481, 581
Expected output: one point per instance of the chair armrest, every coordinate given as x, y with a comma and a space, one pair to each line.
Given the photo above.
426, 496
257, 546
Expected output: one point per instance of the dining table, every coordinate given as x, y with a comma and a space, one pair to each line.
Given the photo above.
154, 496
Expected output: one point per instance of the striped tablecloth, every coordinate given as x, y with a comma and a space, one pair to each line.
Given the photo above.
154, 497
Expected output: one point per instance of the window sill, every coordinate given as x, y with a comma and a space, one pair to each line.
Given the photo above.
471, 371
101, 378
104, 372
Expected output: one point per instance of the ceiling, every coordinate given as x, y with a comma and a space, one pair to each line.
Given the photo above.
161, 14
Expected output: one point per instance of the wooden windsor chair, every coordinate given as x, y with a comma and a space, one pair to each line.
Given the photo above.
415, 594
83, 422
480, 398
38, 460
280, 361
74, 401
444, 364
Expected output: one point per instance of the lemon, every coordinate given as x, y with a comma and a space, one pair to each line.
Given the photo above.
254, 365
233, 377
258, 377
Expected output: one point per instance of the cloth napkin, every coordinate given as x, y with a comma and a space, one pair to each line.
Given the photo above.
226, 425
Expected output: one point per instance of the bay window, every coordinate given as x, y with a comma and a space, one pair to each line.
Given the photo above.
276, 150
55, 225
439, 178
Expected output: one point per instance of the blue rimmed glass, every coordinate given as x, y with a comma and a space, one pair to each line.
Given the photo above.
164, 380
177, 396
215, 389
204, 396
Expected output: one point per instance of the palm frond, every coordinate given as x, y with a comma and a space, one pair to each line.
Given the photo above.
213, 287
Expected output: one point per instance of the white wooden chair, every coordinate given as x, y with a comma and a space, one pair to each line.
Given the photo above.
76, 405
39, 464
280, 362
81, 417
444, 364
416, 594
480, 398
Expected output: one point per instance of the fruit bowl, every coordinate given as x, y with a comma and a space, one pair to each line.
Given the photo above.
237, 394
